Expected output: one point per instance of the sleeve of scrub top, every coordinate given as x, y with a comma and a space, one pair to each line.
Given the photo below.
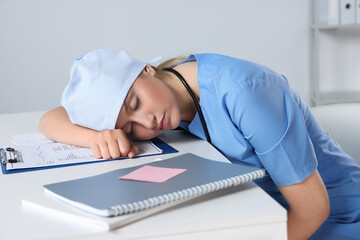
270, 119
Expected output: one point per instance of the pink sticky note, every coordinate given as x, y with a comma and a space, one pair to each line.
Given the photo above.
153, 174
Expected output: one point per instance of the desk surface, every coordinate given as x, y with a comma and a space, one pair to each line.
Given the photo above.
245, 211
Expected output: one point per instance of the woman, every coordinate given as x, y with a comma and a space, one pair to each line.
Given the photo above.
251, 115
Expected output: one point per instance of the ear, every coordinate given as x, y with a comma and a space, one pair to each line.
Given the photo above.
149, 70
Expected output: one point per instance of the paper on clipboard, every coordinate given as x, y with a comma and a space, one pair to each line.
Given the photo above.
53, 154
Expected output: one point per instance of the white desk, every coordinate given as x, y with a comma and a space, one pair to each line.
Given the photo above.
246, 212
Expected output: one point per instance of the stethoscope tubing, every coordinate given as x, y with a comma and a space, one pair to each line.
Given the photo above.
196, 102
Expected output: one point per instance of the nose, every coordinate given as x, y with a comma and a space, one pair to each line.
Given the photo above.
147, 120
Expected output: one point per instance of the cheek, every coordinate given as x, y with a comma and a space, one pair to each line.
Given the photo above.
160, 97
174, 117
158, 93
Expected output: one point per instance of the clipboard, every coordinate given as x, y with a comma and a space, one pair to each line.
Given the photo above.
15, 156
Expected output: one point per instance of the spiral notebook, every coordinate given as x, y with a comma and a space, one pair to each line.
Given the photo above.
130, 190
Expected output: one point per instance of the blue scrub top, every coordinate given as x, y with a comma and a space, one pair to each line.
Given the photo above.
256, 118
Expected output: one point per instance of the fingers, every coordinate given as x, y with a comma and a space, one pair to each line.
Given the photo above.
113, 149
113, 144
100, 148
96, 151
124, 146
133, 150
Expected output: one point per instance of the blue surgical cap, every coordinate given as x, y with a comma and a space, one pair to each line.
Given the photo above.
99, 83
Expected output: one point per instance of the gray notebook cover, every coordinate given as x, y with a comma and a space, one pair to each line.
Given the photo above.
107, 190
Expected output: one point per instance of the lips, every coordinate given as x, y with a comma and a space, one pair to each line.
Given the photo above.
162, 124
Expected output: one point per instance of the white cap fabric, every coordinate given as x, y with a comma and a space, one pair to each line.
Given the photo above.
99, 83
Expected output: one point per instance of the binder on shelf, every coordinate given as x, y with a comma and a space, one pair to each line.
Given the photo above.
357, 11
329, 12
54, 155
107, 195
347, 12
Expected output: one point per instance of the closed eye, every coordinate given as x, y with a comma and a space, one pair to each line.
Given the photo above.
137, 104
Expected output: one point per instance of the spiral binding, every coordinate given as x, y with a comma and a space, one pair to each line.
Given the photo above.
183, 194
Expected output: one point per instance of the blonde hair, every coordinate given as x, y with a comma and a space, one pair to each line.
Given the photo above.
170, 63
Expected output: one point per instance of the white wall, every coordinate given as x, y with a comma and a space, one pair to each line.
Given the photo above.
40, 38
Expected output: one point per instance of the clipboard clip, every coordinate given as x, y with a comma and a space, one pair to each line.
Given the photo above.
10, 155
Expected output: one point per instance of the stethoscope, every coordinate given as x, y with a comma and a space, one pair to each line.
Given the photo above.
196, 102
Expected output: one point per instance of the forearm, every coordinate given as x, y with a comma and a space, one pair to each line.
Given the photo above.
57, 126
302, 225
309, 206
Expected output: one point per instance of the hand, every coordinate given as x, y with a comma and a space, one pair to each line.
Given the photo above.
112, 144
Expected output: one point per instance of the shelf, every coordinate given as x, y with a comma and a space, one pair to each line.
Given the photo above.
318, 27
336, 97
334, 27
